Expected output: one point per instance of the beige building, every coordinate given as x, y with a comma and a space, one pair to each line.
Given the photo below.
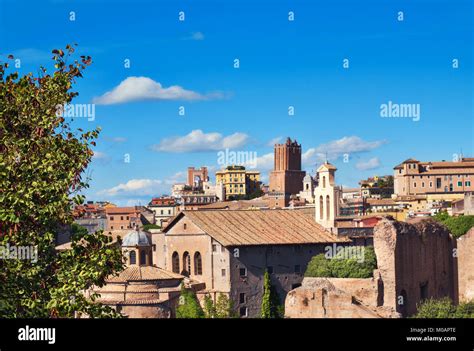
229, 251
142, 290
413, 177
163, 209
327, 196
238, 181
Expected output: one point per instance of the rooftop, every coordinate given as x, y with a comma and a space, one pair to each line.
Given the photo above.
259, 227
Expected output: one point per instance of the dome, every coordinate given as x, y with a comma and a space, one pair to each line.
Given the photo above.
136, 238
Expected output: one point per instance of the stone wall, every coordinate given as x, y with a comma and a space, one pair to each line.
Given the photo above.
337, 298
415, 261
465, 253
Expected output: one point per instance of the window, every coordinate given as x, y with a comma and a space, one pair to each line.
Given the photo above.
223, 272
121, 218
133, 257
142, 257
414, 185
214, 248
320, 207
422, 184
197, 264
243, 272
169, 212
468, 183
328, 210
243, 311
438, 183
128, 218
242, 298
270, 269
186, 264
431, 184
324, 181
121, 227
459, 183
184, 226
111, 218
297, 268
161, 211
175, 262
112, 227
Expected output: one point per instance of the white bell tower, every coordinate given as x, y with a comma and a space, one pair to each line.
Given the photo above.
326, 196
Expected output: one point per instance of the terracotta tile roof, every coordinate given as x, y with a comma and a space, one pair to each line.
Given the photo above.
236, 205
262, 227
138, 273
113, 210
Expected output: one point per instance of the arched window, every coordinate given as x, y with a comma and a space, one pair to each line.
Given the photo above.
328, 208
175, 262
197, 264
133, 257
186, 264
321, 207
142, 257
324, 181
307, 186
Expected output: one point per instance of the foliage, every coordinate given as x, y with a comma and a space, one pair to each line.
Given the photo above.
42, 159
444, 308
271, 306
188, 306
337, 267
222, 308
147, 227
457, 226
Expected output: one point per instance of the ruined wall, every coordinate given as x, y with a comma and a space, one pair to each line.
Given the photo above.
337, 298
465, 254
415, 261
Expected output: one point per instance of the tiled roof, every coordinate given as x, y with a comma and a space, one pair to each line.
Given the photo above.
261, 227
138, 273
236, 205
114, 210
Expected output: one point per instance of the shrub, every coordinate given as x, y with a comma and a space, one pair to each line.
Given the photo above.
337, 267
444, 308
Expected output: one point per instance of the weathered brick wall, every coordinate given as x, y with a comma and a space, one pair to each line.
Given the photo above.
465, 254
415, 261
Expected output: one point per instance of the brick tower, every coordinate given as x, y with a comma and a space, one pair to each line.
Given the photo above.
286, 179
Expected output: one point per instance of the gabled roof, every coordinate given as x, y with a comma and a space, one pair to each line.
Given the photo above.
260, 227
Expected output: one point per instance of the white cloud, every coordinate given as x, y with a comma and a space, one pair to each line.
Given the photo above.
369, 164
265, 162
274, 141
178, 177
197, 36
115, 139
336, 148
99, 155
198, 141
135, 187
144, 88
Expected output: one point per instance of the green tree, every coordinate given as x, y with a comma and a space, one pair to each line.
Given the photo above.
147, 227
209, 308
224, 307
343, 265
271, 307
444, 308
188, 305
42, 160
457, 226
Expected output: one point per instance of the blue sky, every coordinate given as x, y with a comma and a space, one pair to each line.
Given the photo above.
282, 63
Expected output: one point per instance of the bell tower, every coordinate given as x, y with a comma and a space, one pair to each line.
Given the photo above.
327, 196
